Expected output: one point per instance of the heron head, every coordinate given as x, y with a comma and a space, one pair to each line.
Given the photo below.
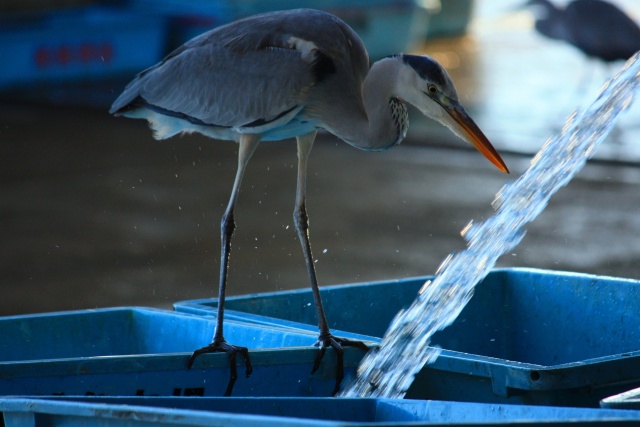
426, 85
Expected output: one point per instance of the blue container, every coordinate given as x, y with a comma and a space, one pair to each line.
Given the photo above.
527, 336
299, 412
76, 46
452, 20
626, 400
142, 351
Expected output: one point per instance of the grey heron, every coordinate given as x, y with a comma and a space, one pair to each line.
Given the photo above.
596, 27
282, 75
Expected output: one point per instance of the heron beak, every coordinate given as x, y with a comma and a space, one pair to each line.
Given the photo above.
470, 132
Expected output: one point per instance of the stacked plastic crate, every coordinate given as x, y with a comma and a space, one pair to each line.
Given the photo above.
531, 347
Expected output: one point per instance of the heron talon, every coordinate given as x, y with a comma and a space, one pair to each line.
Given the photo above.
328, 340
232, 352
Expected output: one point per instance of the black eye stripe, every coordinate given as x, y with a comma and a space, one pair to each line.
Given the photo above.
426, 68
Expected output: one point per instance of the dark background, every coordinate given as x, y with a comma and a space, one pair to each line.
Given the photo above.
94, 212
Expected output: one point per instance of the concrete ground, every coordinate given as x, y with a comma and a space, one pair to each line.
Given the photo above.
96, 213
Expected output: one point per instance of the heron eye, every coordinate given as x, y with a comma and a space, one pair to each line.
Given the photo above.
432, 89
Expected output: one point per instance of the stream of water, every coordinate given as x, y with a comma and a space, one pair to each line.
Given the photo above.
405, 349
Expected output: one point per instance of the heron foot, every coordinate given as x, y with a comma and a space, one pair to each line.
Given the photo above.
328, 340
232, 351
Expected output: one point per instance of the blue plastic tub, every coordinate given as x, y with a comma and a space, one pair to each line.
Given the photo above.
302, 412
527, 336
142, 351
77, 45
452, 20
626, 400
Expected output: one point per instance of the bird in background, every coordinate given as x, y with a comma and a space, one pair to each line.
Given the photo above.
596, 27
283, 75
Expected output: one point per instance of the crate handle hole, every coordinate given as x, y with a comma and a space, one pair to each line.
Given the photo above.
534, 375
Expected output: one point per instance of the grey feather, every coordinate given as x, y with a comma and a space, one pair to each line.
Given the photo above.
233, 75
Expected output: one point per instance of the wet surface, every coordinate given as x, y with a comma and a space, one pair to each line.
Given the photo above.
94, 212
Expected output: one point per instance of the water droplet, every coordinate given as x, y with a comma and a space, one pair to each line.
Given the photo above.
405, 347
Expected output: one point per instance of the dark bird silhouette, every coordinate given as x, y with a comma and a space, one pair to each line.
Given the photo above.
597, 28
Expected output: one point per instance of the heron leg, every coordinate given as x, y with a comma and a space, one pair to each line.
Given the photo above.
247, 146
326, 338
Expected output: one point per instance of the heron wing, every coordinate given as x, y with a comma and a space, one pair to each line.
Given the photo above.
249, 71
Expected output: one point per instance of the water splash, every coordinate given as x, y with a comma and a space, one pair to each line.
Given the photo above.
405, 348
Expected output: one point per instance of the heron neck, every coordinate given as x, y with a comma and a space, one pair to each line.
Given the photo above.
385, 123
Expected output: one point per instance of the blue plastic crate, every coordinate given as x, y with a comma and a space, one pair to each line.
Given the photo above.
626, 400
527, 336
452, 20
77, 45
299, 412
142, 351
